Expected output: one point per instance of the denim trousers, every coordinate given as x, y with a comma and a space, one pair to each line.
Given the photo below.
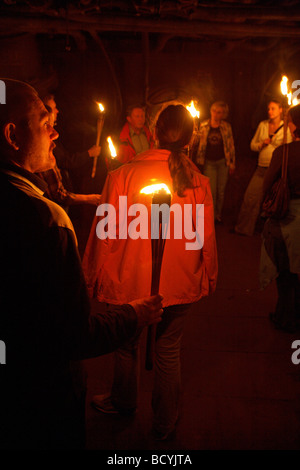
167, 375
217, 172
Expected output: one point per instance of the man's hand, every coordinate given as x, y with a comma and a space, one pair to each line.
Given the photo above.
94, 151
149, 310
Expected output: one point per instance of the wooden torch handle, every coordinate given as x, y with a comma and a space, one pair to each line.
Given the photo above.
100, 123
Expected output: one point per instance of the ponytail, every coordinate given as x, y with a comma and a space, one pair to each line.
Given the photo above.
180, 171
174, 130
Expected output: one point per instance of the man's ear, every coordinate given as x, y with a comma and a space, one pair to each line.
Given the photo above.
10, 135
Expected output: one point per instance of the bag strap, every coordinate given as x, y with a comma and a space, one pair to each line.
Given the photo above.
278, 129
285, 154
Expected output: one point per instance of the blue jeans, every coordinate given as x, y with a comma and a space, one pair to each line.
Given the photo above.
217, 172
167, 377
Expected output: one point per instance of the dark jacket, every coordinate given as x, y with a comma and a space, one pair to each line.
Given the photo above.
45, 320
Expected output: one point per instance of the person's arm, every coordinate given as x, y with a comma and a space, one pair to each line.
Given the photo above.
68, 161
96, 250
86, 335
257, 141
231, 149
59, 194
202, 139
93, 199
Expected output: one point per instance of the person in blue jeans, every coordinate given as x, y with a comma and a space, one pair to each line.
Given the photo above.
216, 153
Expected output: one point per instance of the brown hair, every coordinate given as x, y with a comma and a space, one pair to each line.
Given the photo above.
133, 106
174, 129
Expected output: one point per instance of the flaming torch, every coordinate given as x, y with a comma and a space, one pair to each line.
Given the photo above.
100, 123
286, 104
161, 195
284, 91
195, 140
112, 149
194, 112
112, 162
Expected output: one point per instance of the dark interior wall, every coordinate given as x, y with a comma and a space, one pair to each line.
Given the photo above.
207, 71
212, 70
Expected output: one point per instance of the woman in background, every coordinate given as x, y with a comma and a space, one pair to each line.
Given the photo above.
280, 255
267, 137
216, 153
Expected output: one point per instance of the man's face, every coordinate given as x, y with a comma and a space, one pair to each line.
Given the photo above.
274, 110
137, 119
36, 142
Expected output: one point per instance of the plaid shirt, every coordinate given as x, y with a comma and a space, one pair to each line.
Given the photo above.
228, 143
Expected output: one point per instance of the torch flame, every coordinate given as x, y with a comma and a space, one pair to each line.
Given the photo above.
111, 147
283, 85
295, 102
101, 107
191, 108
155, 188
289, 95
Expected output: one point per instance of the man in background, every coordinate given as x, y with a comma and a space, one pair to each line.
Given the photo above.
135, 137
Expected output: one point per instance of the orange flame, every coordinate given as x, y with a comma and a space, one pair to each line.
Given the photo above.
112, 149
283, 85
155, 188
191, 108
101, 107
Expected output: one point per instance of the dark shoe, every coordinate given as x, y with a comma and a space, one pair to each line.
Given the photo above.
103, 403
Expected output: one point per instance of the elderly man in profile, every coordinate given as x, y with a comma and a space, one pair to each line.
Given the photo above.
135, 137
45, 320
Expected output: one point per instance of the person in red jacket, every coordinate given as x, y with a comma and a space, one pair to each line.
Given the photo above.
118, 267
135, 137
